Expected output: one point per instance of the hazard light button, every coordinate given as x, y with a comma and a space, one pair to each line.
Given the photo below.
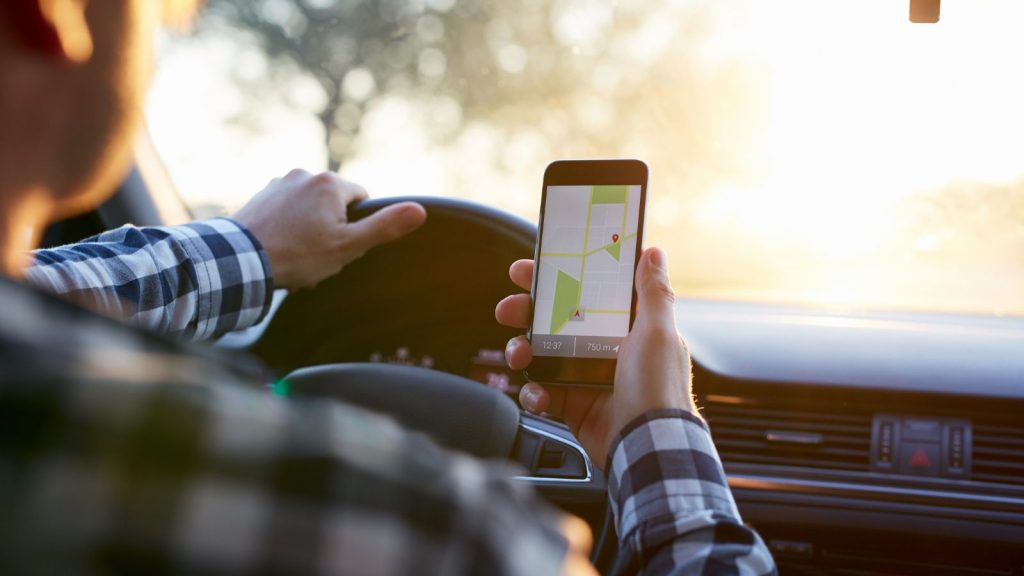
919, 458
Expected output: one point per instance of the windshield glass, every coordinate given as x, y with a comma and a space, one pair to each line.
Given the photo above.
809, 151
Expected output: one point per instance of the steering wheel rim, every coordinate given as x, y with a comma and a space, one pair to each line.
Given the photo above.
505, 224
455, 265
457, 413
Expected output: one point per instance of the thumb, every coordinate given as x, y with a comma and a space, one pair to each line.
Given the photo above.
655, 298
387, 224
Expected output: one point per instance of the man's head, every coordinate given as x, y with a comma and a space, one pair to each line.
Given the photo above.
73, 75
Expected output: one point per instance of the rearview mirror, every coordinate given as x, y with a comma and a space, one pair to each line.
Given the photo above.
924, 11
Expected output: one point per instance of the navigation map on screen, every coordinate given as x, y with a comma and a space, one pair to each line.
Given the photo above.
585, 274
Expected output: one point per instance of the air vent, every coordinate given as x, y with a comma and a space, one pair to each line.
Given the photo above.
998, 452
761, 433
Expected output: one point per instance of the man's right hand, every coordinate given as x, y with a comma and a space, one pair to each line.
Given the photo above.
653, 365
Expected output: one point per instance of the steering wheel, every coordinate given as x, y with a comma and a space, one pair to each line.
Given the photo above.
433, 290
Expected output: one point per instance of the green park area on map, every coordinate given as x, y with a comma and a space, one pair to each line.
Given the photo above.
610, 195
567, 297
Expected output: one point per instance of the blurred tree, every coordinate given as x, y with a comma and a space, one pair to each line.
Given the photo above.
591, 73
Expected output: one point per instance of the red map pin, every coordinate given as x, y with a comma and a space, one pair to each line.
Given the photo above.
615, 237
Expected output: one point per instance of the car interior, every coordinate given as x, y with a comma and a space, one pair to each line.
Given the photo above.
856, 440
874, 443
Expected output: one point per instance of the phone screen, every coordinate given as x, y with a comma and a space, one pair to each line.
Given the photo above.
585, 263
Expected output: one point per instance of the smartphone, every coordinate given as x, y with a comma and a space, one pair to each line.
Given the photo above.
583, 300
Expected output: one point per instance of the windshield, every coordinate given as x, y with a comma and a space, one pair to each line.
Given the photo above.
808, 151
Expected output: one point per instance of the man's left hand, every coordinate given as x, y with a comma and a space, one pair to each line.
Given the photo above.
301, 221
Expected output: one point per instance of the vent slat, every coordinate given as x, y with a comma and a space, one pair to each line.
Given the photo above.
998, 453
1008, 453
741, 434
725, 410
1007, 431
986, 463
722, 432
766, 424
764, 447
985, 439
996, 478
788, 461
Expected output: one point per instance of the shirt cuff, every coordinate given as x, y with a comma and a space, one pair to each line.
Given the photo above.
233, 278
664, 467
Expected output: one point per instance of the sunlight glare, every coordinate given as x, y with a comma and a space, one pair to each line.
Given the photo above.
867, 109
801, 150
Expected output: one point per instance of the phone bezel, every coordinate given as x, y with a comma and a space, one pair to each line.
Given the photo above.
585, 371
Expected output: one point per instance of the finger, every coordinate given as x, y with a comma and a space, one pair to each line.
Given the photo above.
518, 353
385, 225
349, 191
539, 399
655, 297
577, 532
521, 274
577, 564
534, 398
513, 311
580, 541
296, 173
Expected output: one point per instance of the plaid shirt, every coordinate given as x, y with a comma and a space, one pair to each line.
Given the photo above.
673, 509
121, 451
197, 281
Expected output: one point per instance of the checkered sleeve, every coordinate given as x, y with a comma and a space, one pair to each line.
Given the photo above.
137, 478
196, 281
673, 508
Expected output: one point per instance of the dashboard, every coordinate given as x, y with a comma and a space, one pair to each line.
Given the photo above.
855, 442
868, 443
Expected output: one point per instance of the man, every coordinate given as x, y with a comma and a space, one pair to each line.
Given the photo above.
201, 280
124, 452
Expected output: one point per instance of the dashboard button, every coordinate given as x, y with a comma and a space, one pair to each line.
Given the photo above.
885, 443
922, 429
956, 449
919, 458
